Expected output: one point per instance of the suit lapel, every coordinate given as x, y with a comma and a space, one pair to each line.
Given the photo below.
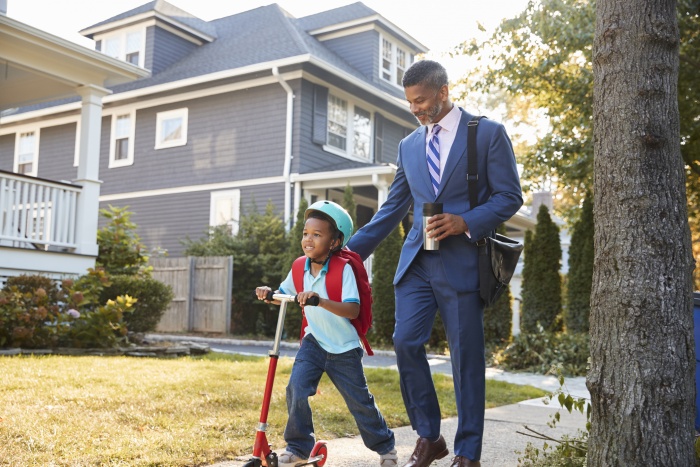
422, 162
458, 151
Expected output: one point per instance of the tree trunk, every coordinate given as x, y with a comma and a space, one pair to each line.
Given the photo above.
642, 367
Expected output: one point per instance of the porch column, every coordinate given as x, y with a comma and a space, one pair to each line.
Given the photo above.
382, 186
89, 168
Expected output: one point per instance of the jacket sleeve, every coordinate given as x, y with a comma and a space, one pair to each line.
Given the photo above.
390, 214
503, 190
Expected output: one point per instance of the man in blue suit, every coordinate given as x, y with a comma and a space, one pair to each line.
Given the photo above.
446, 279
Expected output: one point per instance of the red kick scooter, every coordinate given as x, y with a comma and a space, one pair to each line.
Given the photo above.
262, 453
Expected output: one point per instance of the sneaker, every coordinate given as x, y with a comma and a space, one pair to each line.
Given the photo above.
287, 459
390, 459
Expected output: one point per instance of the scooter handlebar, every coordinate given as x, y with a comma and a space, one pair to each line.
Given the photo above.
312, 301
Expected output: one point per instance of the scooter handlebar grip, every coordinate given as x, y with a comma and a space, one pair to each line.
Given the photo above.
312, 301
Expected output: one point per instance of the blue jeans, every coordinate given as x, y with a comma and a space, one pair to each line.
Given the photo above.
346, 372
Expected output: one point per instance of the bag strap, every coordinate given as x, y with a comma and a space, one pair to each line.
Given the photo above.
472, 168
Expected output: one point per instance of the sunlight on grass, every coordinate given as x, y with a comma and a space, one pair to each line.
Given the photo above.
85, 411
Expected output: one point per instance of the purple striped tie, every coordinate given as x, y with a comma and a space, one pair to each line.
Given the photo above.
433, 154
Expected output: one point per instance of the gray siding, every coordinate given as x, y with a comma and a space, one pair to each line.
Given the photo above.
57, 152
7, 152
393, 134
234, 136
360, 51
164, 48
165, 221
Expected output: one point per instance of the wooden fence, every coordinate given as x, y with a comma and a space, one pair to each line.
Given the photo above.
202, 293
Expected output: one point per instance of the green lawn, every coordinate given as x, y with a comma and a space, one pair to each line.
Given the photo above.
125, 411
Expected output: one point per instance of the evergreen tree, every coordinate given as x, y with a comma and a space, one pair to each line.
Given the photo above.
350, 206
498, 318
580, 270
257, 253
541, 279
386, 260
292, 322
120, 250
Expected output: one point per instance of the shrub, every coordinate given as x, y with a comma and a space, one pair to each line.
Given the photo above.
152, 299
539, 351
37, 313
541, 280
120, 248
580, 280
292, 322
386, 259
498, 320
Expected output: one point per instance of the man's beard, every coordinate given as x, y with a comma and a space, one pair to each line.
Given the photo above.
431, 113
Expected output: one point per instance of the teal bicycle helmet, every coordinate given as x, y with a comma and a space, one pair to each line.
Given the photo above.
343, 221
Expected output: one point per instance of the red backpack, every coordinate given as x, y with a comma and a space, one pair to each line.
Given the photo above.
334, 286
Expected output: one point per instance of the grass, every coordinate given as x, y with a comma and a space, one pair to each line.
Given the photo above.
123, 411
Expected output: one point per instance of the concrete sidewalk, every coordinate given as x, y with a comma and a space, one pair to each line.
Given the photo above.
502, 429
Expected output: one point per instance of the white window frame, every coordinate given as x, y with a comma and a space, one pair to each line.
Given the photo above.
113, 162
393, 71
349, 151
161, 117
122, 37
235, 197
35, 159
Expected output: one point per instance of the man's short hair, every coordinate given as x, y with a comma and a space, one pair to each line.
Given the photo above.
427, 72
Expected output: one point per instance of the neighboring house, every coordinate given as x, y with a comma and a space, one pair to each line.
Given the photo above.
49, 226
255, 107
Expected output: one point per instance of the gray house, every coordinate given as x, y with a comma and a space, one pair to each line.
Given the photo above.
258, 106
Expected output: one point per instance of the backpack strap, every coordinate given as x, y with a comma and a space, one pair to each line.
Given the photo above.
472, 171
298, 278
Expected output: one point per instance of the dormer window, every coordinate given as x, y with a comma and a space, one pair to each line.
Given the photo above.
128, 45
395, 60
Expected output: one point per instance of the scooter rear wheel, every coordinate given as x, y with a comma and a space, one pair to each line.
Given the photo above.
320, 450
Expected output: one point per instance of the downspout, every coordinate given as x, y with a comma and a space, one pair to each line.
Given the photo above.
286, 173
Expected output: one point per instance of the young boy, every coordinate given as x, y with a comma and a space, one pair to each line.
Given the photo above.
330, 344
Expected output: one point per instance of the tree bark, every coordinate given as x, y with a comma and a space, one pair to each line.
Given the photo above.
642, 367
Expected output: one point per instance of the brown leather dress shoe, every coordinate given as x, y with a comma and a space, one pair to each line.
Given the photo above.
461, 461
426, 452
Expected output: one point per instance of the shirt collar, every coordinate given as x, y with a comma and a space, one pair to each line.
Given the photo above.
449, 122
307, 266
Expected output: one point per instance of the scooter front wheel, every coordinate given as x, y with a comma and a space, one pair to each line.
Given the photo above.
319, 454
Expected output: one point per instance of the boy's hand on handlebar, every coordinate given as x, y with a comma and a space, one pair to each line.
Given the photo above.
262, 292
303, 297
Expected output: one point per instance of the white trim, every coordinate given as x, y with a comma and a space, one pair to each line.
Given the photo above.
182, 114
235, 197
192, 188
76, 156
339, 27
104, 28
113, 163
6, 129
122, 35
35, 159
178, 32
395, 47
346, 32
138, 94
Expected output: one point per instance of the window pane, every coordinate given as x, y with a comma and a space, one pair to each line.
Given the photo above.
386, 59
123, 127
27, 145
121, 151
400, 65
337, 122
133, 58
111, 47
171, 129
24, 169
363, 133
133, 42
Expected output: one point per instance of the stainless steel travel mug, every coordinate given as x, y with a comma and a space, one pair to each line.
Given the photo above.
429, 210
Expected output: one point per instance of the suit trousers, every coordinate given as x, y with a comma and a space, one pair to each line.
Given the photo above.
423, 291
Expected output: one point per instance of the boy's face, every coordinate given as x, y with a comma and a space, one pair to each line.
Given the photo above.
317, 239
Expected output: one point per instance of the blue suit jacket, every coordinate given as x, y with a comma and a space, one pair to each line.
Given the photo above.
500, 197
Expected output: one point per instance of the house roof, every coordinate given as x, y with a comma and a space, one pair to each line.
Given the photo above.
160, 8
267, 34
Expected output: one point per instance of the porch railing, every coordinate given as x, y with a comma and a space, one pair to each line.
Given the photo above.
37, 213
